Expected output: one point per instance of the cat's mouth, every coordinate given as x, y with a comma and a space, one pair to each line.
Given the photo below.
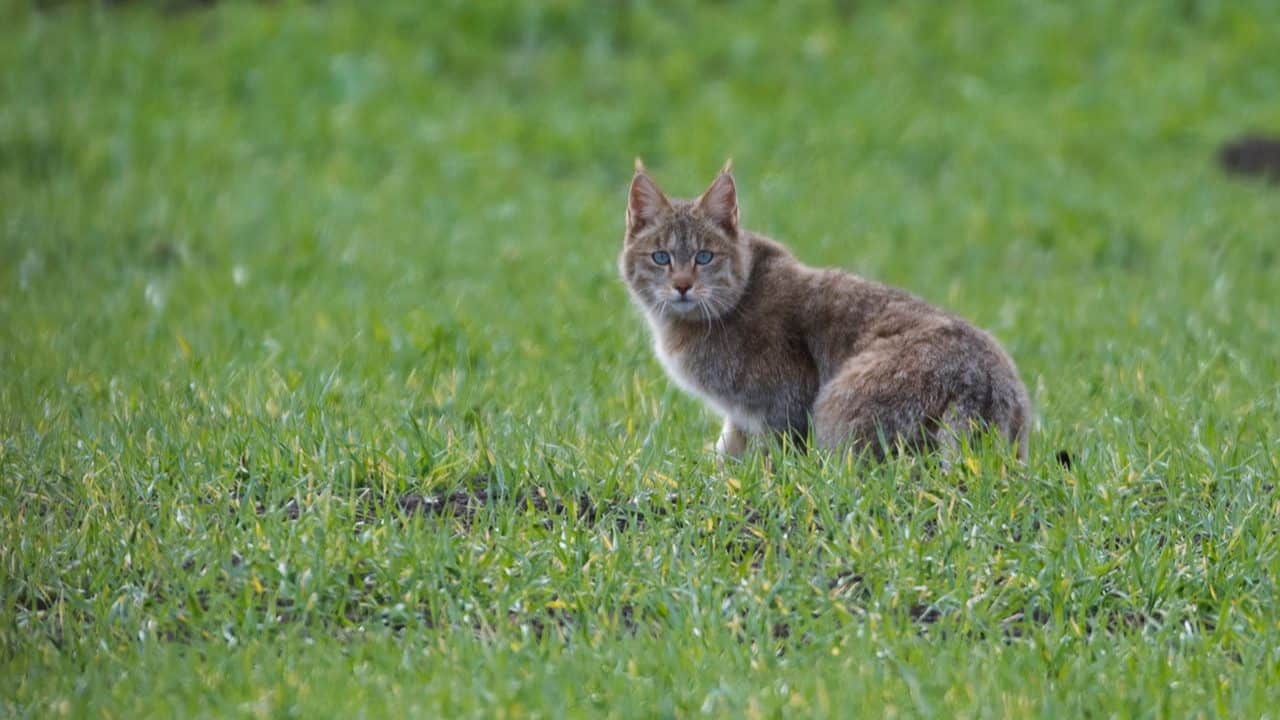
683, 305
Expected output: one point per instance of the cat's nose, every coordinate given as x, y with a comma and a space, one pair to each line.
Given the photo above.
682, 287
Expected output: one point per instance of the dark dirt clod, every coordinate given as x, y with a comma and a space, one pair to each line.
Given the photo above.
1016, 625
925, 613
848, 582
1064, 459
1252, 155
1132, 620
465, 502
34, 601
460, 503
164, 254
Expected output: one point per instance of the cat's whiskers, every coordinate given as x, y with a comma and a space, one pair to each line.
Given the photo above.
716, 308
720, 314
706, 313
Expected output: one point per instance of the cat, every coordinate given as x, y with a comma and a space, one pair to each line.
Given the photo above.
781, 349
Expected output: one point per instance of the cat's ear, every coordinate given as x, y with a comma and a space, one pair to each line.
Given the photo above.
719, 202
646, 201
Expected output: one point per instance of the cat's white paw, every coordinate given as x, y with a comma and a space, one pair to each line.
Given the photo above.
732, 442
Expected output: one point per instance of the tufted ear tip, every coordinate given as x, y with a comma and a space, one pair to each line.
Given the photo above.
639, 165
645, 201
720, 201
726, 170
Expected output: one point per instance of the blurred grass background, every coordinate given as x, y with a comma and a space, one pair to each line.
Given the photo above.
255, 254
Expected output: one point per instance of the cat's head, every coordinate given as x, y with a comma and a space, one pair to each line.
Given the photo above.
684, 259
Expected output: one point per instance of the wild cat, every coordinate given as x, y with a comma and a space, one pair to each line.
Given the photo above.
776, 347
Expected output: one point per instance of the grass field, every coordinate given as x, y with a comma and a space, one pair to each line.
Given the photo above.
320, 395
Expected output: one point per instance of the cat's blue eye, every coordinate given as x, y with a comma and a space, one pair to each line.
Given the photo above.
662, 257
703, 257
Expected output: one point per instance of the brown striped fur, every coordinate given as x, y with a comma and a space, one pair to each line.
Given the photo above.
776, 347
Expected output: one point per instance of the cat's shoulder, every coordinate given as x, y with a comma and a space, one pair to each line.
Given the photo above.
766, 249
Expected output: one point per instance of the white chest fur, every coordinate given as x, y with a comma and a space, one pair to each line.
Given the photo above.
677, 367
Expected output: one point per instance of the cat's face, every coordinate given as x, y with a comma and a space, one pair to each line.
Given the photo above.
684, 259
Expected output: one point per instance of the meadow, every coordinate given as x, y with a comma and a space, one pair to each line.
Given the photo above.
320, 394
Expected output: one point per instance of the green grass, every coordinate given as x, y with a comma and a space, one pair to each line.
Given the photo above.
269, 271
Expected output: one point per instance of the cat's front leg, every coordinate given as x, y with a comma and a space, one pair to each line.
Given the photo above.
732, 442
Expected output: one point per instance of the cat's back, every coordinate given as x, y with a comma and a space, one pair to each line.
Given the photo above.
826, 306
845, 315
